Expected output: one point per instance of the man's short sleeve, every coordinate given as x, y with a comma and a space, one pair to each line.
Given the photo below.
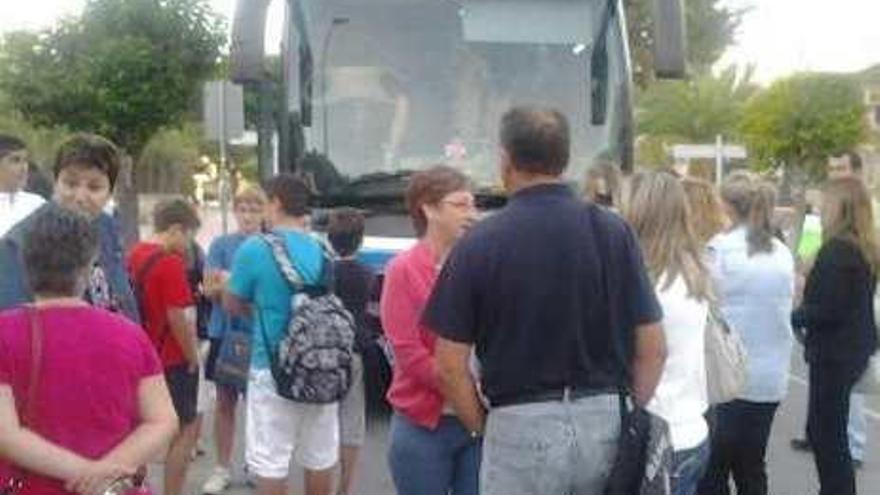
175, 289
642, 305
451, 311
243, 274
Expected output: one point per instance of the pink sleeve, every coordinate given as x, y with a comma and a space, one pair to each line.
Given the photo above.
401, 314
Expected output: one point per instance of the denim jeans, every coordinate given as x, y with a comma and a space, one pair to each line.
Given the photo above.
688, 467
444, 461
551, 448
858, 427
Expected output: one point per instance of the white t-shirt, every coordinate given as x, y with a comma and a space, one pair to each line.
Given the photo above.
681, 397
15, 207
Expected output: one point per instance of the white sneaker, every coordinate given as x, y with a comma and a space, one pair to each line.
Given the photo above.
218, 482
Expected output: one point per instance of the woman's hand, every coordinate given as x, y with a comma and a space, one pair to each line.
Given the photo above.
98, 477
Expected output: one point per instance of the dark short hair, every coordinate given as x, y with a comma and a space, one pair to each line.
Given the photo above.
537, 139
429, 187
89, 150
59, 245
10, 144
345, 230
175, 212
291, 192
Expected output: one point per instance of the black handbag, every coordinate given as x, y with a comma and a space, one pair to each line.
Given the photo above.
643, 464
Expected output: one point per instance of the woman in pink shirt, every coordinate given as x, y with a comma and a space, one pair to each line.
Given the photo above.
431, 451
83, 402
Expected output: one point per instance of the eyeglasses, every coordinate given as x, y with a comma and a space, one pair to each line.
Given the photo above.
460, 205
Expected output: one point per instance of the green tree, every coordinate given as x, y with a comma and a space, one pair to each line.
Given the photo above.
796, 123
124, 69
711, 28
695, 110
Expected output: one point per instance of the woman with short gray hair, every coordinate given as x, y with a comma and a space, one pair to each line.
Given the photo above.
83, 402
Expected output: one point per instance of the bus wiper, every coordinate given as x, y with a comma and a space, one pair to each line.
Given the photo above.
306, 65
599, 68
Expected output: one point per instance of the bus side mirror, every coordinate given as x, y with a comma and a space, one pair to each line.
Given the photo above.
248, 33
669, 39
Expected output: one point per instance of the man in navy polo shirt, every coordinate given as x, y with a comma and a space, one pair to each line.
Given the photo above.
554, 296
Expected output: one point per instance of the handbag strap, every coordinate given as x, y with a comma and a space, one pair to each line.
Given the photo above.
29, 413
140, 282
591, 212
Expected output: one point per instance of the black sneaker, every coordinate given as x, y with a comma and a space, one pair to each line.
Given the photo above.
801, 445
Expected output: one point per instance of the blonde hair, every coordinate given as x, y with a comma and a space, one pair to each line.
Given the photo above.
657, 209
752, 201
707, 214
602, 184
847, 215
250, 194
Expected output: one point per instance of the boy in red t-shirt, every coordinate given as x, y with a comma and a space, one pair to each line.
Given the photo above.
158, 273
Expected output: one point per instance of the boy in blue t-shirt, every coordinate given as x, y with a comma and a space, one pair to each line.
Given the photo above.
249, 208
276, 427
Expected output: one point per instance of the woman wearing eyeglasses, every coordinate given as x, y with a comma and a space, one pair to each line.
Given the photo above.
431, 450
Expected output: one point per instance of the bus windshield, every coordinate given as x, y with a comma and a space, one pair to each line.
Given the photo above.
400, 85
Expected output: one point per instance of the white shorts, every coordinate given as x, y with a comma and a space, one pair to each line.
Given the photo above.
278, 430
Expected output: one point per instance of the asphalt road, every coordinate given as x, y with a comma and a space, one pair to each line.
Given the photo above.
791, 473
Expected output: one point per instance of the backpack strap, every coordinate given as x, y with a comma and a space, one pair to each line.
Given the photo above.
282, 258
141, 276
140, 285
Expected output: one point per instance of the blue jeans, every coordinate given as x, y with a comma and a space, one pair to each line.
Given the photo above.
688, 467
551, 448
858, 427
444, 461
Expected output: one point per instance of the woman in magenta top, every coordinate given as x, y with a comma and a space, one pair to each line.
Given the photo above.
100, 404
431, 452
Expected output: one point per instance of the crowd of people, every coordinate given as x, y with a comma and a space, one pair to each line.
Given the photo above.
516, 337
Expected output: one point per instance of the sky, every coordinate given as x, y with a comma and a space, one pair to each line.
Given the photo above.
778, 36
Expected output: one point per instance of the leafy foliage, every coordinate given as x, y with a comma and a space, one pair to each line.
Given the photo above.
696, 110
125, 68
801, 120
